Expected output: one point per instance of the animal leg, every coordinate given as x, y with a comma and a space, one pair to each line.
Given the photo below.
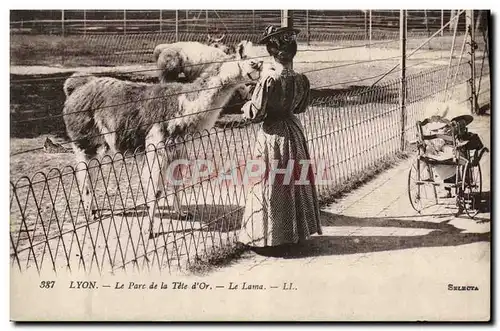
180, 154
151, 174
85, 175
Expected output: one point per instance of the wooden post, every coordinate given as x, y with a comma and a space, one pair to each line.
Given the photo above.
176, 25
206, 19
161, 20
370, 28
426, 19
442, 21
402, 93
253, 22
84, 22
187, 21
287, 21
469, 19
62, 22
366, 25
124, 21
308, 35
452, 14
478, 22
286, 18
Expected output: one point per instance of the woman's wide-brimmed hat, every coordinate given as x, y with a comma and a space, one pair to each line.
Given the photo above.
271, 31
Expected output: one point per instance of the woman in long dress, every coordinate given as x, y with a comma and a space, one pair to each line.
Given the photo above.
280, 212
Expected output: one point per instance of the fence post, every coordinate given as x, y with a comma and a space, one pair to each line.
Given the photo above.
161, 20
206, 19
366, 24
124, 21
62, 22
402, 93
370, 28
478, 22
452, 14
84, 22
287, 21
176, 25
442, 21
469, 19
253, 22
426, 19
370, 35
308, 35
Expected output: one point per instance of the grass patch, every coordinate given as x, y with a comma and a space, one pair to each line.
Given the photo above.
222, 257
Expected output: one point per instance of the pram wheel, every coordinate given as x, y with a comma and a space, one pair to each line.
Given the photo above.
470, 197
421, 186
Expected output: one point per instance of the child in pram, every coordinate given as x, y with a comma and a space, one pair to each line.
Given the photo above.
443, 149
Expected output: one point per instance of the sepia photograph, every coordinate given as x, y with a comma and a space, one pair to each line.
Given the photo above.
212, 165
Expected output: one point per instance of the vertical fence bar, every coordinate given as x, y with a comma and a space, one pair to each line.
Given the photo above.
366, 24
469, 19
308, 35
452, 14
370, 28
478, 22
426, 20
62, 22
370, 35
176, 25
124, 21
287, 20
84, 22
161, 20
442, 21
253, 22
402, 93
206, 19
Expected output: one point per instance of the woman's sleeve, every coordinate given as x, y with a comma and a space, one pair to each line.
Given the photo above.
304, 101
255, 109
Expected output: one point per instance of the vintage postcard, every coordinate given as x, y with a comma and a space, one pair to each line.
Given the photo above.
250, 165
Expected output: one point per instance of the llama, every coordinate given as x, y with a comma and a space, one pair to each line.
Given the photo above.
102, 114
193, 59
189, 58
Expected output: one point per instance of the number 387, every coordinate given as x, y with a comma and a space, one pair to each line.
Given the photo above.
47, 284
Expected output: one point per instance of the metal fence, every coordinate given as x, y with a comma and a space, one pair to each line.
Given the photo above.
351, 132
222, 21
127, 37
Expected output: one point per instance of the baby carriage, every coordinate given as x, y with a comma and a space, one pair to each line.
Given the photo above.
448, 157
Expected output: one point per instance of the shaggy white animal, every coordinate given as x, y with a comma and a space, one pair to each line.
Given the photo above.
189, 58
107, 114
193, 58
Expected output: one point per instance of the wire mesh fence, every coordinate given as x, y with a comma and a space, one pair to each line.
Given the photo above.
125, 37
348, 132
